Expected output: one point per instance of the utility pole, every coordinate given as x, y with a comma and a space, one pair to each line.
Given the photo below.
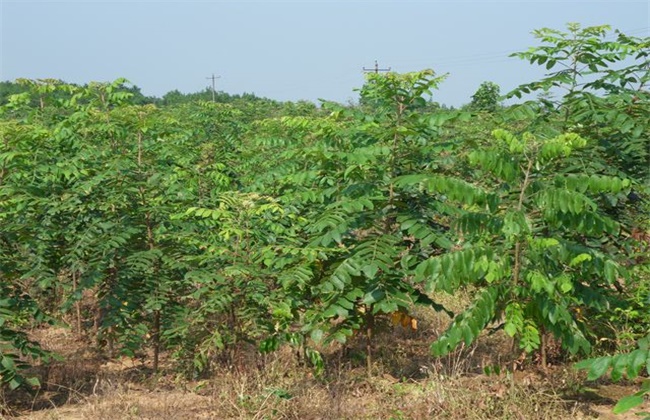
214, 80
376, 69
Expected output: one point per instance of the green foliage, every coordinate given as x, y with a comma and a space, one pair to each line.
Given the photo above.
205, 228
486, 98
369, 232
621, 365
600, 87
524, 236
15, 312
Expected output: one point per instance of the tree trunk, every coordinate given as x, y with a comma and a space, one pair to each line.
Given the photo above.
370, 325
155, 336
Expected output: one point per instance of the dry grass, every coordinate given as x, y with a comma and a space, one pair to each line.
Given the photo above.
294, 394
407, 383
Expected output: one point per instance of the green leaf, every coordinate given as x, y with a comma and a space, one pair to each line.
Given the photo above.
14, 383
8, 363
374, 296
619, 363
599, 367
636, 360
627, 403
33, 382
611, 271
580, 259
644, 343
335, 310
336, 235
584, 364
317, 335
370, 271
514, 319
565, 283
530, 338
645, 386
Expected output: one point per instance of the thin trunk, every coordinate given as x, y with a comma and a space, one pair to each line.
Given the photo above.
151, 243
516, 270
370, 325
77, 303
232, 321
155, 336
574, 84
139, 149
100, 310
393, 158
542, 348
3, 169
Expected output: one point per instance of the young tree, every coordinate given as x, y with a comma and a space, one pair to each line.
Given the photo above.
486, 98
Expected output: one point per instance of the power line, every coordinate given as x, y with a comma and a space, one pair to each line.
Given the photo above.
214, 80
376, 69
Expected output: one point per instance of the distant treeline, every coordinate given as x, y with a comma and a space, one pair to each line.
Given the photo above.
176, 97
40, 93
173, 97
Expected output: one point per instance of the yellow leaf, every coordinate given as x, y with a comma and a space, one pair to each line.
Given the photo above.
406, 320
395, 317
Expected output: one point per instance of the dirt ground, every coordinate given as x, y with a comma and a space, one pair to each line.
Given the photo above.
407, 384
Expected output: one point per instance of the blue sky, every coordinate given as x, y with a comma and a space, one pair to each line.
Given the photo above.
289, 50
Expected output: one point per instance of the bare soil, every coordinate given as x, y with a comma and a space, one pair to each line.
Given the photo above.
407, 383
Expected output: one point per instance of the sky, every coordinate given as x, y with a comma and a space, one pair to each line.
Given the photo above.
289, 50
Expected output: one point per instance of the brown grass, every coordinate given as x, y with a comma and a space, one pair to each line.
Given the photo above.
407, 383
